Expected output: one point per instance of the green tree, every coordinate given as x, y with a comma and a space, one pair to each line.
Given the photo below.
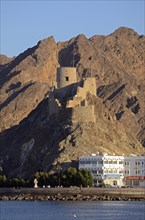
3, 181
71, 176
42, 177
87, 179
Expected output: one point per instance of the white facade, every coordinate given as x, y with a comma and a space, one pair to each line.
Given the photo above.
113, 167
95, 165
115, 170
134, 167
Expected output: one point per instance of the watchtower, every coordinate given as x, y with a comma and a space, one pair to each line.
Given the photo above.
66, 76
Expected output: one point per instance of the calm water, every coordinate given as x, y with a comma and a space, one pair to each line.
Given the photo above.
60, 210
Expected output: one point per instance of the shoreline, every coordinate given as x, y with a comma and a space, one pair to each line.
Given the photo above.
72, 194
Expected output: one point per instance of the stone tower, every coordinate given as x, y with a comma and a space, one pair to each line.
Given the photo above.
66, 76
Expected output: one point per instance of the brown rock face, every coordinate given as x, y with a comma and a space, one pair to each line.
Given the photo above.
15, 103
26, 80
4, 61
35, 142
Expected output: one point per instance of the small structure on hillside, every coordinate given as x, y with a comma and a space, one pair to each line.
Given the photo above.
70, 96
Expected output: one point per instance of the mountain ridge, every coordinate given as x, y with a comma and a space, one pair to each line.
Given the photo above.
115, 60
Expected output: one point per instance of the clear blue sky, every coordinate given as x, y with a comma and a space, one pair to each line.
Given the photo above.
24, 23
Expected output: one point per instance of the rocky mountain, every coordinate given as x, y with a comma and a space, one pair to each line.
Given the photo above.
32, 141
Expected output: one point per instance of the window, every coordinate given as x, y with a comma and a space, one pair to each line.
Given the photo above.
88, 162
100, 162
111, 171
137, 171
94, 171
100, 171
120, 162
67, 78
82, 162
106, 161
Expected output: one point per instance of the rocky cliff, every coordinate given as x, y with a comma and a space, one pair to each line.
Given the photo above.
32, 141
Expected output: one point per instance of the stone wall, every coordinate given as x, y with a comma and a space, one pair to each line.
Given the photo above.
67, 91
76, 101
72, 193
90, 85
78, 114
54, 105
73, 96
81, 92
83, 113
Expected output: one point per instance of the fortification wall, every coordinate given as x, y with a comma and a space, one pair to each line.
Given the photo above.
73, 103
81, 92
90, 85
65, 115
54, 105
78, 114
66, 91
66, 76
83, 113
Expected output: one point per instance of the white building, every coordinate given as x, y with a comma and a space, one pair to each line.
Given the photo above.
134, 170
94, 164
115, 170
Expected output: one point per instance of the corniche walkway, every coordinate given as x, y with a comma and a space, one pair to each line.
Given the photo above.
73, 193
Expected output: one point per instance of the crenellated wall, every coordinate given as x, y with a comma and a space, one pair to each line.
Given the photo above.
72, 96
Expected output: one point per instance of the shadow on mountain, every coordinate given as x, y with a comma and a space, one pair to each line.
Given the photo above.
119, 90
6, 77
33, 144
6, 73
14, 95
68, 56
14, 86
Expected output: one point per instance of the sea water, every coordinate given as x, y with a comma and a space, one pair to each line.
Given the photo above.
67, 210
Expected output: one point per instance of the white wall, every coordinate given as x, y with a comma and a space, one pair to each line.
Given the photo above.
124, 166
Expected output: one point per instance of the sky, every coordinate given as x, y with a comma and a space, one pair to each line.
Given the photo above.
24, 23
